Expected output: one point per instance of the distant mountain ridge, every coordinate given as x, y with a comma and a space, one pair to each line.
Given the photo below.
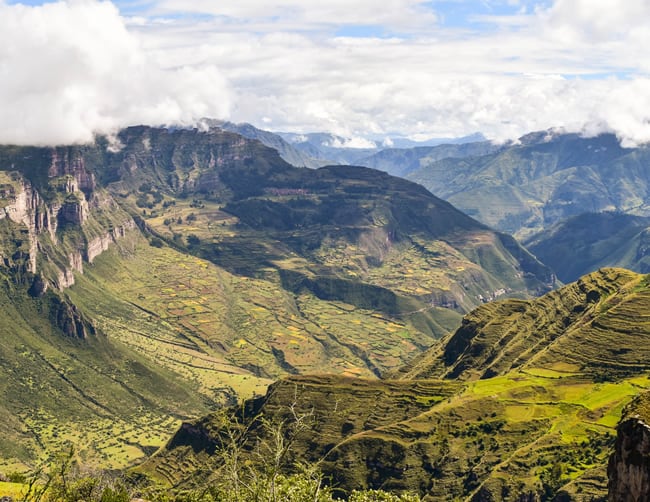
586, 242
404, 161
344, 150
524, 188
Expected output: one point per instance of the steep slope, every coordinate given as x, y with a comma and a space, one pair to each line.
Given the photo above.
525, 188
112, 404
584, 243
339, 224
210, 265
629, 465
572, 328
62, 379
542, 386
387, 255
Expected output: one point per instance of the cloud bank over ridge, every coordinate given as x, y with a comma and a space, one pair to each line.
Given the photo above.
68, 70
412, 68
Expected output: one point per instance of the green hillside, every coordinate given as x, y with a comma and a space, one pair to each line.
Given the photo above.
584, 243
534, 418
173, 271
57, 389
525, 188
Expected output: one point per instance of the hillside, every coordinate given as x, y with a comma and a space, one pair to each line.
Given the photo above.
525, 188
535, 418
587, 242
404, 161
211, 266
349, 224
288, 152
114, 404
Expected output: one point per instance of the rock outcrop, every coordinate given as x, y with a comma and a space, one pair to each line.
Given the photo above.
64, 219
629, 465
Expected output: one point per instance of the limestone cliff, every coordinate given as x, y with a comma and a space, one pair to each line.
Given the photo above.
57, 217
629, 465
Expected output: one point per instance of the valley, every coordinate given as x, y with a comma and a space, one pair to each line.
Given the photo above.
188, 274
202, 262
460, 422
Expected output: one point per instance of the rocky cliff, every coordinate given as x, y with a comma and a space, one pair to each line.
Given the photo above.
629, 465
59, 216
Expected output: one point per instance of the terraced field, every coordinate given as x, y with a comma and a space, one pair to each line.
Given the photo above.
462, 421
230, 334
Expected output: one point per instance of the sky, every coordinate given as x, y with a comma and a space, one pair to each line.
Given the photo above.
358, 68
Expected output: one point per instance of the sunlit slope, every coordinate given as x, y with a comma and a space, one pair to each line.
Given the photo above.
542, 387
596, 326
232, 333
112, 404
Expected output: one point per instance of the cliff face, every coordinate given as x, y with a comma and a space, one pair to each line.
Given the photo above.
57, 217
629, 465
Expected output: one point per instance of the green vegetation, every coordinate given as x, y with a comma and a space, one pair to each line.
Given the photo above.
234, 480
544, 179
187, 271
584, 243
538, 417
93, 392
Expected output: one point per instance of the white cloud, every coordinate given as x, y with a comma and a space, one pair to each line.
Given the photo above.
597, 20
388, 143
354, 142
398, 14
282, 63
68, 70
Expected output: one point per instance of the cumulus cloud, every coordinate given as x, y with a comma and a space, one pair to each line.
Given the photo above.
70, 69
557, 65
597, 20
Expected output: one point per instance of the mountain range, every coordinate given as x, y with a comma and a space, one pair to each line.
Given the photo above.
538, 188
524, 188
155, 275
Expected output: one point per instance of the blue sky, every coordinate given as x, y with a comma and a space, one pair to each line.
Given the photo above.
451, 13
358, 68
